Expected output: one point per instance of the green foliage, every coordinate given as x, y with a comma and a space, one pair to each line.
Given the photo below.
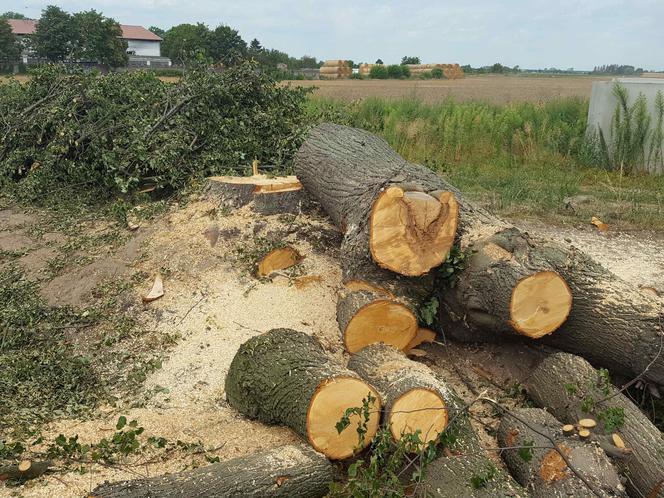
12, 15
588, 404
571, 389
10, 49
227, 46
483, 477
378, 72
396, 71
428, 311
410, 60
183, 42
655, 156
157, 31
455, 262
55, 34
604, 381
118, 132
98, 38
613, 419
363, 412
42, 375
437, 73
526, 451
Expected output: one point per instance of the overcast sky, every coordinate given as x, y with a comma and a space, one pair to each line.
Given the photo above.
531, 33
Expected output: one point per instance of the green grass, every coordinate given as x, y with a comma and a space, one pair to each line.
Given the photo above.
519, 160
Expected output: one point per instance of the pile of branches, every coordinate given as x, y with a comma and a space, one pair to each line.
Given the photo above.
122, 131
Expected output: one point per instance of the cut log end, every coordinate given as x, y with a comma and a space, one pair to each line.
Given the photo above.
327, 407
383, 321
540, 304
419, 409
412, 232
278, 259
423, 335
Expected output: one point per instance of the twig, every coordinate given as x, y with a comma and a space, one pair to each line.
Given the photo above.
192, 307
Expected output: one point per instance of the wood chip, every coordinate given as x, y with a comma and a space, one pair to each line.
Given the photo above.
587, 423
211, 233
601, 226
618, 441
157, 290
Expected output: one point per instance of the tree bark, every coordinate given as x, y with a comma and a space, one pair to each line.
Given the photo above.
542, 470
285, 377
282, 195
566, 385
611, 323
413, 398
288, 471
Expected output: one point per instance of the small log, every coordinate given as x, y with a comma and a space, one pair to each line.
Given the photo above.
541, 469
285, 377
566, 384
288, 471
278, 259
366, 318
24, 470
414, 399
587, 423
276, 195
568, 429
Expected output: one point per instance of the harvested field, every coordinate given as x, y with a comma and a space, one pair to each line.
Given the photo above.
493, 89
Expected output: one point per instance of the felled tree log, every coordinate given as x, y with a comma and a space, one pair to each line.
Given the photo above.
511, 283
541, 469
269, 195
24, 470
566, 384
369, 317
469, 476
413, 398
285, 377
288, 471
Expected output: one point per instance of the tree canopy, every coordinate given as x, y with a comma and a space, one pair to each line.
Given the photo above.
410, 60
98, 38
12, 15
185, 41
10, 49
55, 35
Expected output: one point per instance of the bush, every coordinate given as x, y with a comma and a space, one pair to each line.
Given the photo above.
437, 73
405, 71
378, 72
123, 130
425, 75
395, 71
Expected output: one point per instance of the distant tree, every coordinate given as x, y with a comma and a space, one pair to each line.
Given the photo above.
10, 49
227, 46
12, 15
98, 39
405, 71
378, 72
55, 34
410, 60
498, 68
379, 61
184, 41
255, 46
157, 31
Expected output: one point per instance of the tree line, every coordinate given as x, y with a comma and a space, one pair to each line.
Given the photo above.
61, 37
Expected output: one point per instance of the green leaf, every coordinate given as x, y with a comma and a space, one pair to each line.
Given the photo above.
122, 421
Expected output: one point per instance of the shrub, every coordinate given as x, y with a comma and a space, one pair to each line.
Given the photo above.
355, 76
425, 75
378, 72
395, 71
127, 129
437, 73
405, 71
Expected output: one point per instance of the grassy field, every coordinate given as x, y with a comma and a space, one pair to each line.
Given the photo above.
493, 89
522, 160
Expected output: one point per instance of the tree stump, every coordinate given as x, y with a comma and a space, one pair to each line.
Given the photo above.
270, 195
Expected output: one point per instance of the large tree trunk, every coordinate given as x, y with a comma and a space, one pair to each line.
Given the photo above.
567, 385
285, 472
541, 469
511, 285
285, 377
414, 399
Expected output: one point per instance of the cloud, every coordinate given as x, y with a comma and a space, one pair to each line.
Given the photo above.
531, 33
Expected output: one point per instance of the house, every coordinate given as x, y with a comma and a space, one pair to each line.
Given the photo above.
143, 45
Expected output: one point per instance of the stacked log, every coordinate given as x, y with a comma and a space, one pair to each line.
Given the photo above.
335, 69
285, 377
512, 285
289, 471
365, 69
572, 389
450, 71
527, 433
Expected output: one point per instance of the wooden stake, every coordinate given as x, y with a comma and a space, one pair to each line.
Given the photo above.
254, 167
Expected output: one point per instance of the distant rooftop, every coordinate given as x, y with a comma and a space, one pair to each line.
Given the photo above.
129, 32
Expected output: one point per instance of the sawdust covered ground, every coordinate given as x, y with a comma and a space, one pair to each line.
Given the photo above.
212, 303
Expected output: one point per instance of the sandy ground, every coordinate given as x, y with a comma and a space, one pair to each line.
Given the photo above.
489, 88
214, 304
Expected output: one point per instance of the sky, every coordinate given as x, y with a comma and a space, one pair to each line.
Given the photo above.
577, 34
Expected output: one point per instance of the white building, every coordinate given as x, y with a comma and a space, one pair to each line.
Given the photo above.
141, 42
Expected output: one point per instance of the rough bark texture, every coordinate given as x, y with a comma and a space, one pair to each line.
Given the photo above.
237, 195
473, 476
286, 202
230, 195
289, 471
350, 303
35, 470
564, 383
546, 474
393, 374
274, 376
611, 323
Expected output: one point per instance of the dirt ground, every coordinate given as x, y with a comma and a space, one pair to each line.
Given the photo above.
489, 88
213, 304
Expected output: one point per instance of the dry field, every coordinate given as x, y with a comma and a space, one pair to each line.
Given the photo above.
494, 89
